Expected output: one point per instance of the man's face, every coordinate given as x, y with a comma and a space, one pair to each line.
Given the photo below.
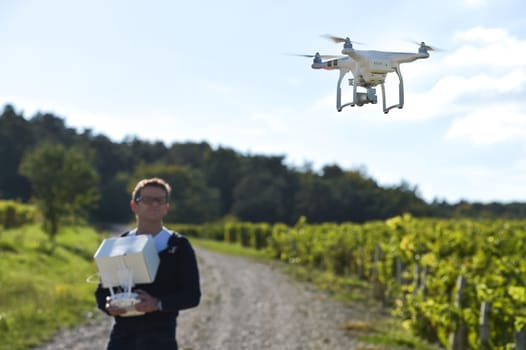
151, 204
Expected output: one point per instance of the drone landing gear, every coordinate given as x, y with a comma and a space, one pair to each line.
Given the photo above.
339, 106
361, 98
400, 104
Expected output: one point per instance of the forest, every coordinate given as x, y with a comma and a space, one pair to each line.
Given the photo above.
212, 184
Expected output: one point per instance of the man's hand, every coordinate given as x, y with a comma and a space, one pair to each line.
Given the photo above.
114, 310
147, 302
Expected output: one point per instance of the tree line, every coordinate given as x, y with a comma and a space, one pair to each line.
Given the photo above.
209, 184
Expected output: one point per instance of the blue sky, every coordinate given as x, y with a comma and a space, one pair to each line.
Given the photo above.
217, 71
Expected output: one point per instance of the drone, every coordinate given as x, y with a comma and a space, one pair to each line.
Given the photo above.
369, 69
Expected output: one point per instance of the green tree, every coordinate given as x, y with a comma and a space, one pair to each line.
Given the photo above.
222, 171
192, 200
402, 198
189, 154
265, 191
315, 199
64, 183
16, 136
114, 163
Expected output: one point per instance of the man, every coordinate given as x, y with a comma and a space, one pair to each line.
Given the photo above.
176, 285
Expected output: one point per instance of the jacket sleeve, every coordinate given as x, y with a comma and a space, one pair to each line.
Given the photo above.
187, 277
100, 295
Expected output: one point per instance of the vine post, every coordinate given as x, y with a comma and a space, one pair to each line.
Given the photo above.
459, 338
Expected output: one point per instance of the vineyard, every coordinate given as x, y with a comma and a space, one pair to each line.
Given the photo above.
459, 283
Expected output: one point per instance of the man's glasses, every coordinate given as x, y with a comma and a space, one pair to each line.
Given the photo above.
151, 200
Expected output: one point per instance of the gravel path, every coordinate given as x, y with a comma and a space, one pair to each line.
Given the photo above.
245, 305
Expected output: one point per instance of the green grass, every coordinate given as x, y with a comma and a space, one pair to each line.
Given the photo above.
43, 287
381, 332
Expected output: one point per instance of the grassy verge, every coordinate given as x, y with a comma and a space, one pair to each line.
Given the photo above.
43, 287
378, 330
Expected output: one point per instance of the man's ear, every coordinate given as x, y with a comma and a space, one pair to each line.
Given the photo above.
133, 205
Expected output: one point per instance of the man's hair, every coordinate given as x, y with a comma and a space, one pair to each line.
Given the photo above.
152, 182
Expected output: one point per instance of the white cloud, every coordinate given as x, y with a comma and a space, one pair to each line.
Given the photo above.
457, 87
491, 111
484, 35
486, 106
491, 125
493, 47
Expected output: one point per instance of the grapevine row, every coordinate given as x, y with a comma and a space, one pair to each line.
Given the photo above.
441, 277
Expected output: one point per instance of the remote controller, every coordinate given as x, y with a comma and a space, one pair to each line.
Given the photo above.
126, 301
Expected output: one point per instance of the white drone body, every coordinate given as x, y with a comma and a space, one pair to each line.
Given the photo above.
369, 69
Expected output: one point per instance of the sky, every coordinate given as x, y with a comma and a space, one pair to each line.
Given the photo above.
221, 72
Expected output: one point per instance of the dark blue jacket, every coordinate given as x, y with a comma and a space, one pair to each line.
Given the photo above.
176, 284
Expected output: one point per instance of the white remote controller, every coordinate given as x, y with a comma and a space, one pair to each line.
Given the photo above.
126, 301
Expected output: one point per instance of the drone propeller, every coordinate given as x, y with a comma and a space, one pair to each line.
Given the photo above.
424, 46
317, 55
339, 39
